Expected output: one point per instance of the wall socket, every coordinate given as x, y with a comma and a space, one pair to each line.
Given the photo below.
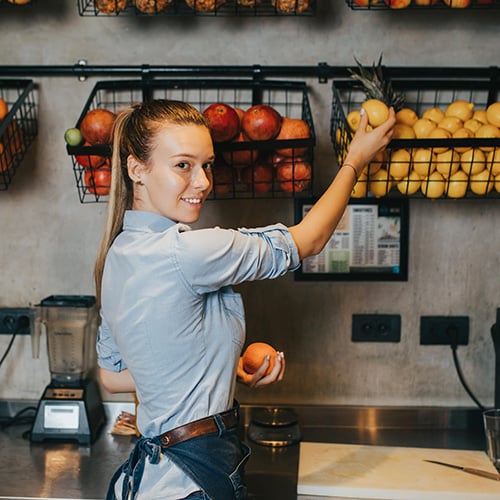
440, 330
14, 319
376, 328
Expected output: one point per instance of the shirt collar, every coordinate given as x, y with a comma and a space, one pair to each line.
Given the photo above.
135, 220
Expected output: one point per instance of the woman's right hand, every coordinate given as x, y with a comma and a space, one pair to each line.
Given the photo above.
259, 378
366, 144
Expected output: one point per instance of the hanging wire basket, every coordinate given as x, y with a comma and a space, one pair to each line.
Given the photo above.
18, 128
278, 168
449, 167
197, 7
412, 5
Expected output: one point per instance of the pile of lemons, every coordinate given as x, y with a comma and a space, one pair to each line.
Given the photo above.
436, 171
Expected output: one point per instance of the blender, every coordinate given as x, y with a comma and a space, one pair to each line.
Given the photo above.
70, 408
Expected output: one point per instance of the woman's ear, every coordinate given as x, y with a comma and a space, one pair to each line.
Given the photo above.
135, 170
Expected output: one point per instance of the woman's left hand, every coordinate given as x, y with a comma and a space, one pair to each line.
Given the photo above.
259, 378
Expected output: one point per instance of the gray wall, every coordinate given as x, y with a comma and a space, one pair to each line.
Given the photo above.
49, 240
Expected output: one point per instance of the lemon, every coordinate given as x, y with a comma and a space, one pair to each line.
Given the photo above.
493, 114
410, 184
353, 118
440, 133
406, 116
376, 164
73, 136
487, 131
456, 187
447, 163
473, 161
377, 111
460, 109
463, 133
480, 115
433, 114
482, 182
361, 187
433, 186
380, 183
472, 124
497, 183
424, 161
423, 127
341, 136
399, 163
451, 123
493, 162
403, 131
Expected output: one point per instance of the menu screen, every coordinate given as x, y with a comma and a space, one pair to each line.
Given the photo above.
369, 243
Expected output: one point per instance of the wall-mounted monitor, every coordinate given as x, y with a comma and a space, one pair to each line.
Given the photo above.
370, 243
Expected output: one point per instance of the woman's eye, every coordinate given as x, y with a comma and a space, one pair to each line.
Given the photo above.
183, 165
208, 165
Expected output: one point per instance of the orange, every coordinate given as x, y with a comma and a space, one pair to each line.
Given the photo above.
493, 114
456, 187
4, 109
399, 163
482, 183
380, 183
410, 184
254, 355
377, 111
433, 186
424, 161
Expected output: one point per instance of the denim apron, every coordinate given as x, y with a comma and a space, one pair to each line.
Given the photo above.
214, 461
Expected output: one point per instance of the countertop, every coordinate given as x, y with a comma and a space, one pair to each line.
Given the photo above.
66, 470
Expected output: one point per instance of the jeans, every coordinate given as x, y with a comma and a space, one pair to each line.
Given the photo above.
214, 461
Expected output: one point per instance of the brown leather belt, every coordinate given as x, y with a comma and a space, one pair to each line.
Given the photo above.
199, 427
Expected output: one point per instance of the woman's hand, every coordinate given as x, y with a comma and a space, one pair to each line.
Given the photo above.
366, 144
259, 378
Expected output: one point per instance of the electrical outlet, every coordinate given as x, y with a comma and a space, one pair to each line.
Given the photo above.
14, 319
376, 328
441, 330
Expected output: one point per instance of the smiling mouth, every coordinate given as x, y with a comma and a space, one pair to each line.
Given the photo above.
192, 201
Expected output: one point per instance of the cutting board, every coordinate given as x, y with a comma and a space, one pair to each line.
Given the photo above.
390, 472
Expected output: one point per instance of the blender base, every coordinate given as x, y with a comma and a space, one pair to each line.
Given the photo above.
69, 414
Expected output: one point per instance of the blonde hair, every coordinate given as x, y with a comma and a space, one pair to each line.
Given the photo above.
134, 132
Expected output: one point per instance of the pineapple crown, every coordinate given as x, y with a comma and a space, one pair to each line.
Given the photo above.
376, 86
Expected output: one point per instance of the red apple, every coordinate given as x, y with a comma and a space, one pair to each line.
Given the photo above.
398, 4
223, 121
97, 126
293, 128
88, 160
223, 179
98, 180
241, 157
261, 122
294, 177
258, 179
457, 4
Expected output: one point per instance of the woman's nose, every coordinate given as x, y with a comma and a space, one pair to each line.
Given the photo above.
202, 178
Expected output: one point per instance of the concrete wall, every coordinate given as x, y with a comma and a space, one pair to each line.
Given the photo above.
49, 240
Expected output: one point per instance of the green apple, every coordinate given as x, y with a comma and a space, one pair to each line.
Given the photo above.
73, 137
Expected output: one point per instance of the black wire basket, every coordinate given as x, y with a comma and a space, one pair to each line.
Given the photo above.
278, 168
453, 5
451, 168
18, 128
197, 7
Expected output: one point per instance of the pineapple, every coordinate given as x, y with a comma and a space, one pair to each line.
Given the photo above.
376, 86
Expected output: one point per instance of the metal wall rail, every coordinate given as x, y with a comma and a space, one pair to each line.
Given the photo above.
322, 71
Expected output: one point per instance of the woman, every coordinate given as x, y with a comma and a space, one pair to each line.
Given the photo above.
172, 328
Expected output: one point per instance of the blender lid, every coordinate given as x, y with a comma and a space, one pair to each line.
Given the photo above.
68, 301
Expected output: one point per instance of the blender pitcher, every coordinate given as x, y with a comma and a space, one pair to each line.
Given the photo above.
70, 323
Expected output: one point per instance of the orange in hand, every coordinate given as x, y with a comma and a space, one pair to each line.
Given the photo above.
254, 355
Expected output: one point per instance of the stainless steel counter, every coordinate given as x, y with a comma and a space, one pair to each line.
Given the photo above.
68, 471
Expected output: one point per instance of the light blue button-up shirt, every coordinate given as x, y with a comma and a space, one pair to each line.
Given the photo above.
169, 313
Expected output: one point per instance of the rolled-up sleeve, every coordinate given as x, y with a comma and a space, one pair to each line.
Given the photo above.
212, 258
108, 356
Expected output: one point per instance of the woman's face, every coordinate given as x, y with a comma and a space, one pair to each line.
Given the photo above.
178, 178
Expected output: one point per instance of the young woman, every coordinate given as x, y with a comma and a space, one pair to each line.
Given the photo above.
172, 328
